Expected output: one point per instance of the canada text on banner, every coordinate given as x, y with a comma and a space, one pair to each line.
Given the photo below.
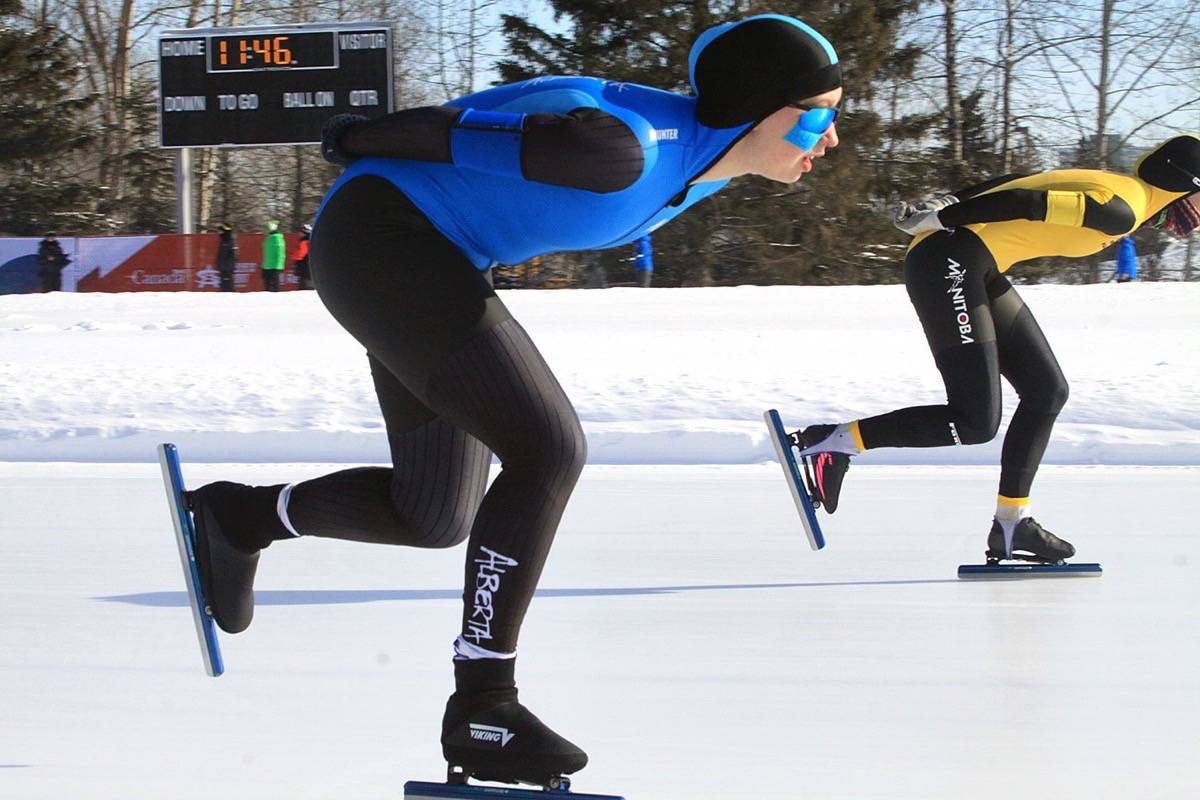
165, 263
174, 262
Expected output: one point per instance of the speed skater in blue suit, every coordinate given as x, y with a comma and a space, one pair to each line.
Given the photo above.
429, 200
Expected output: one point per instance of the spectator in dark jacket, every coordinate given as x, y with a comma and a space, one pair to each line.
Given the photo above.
51, 260
226, 257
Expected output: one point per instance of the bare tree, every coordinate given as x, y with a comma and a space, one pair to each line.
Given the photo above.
108, 39
1116, 71
456, 40
954, 131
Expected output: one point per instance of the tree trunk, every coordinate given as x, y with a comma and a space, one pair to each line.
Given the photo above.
954, 132
298, 215
1102, 84
1007, 62
1102, 108
206, 157
122, 79
224, 172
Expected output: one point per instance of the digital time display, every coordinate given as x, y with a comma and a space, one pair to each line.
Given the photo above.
306, 50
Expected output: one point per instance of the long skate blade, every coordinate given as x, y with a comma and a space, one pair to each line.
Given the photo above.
1010, 571
804, 504
185, 538
416, 790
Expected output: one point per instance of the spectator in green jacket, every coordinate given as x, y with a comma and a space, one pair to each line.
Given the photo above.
274, 255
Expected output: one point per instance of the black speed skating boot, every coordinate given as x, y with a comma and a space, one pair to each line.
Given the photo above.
233, 523
823, 471
1030, 542
488, 735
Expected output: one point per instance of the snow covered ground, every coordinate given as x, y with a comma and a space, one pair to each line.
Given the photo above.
684, 633
658, 375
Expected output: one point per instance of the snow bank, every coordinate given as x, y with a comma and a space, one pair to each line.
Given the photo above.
657, 375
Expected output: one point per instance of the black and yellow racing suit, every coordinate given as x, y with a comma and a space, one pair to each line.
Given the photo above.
976, 323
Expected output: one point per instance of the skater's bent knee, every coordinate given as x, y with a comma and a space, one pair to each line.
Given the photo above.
978, 424
448, 532
556, 456
1056, 397
439, 525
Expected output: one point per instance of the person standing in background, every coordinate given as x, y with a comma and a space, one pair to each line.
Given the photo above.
1126, 260
226, 256
51, 260
299, 258
274, 255
643, 261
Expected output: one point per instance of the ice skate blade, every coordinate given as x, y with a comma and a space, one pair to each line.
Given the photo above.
1028, 570
458, 775
782, 443
178, 501
418, 790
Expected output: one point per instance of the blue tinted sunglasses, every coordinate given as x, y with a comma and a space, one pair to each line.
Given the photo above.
811, 126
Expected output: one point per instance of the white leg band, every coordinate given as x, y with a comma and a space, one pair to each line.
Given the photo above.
841, 440
465, 651
285, 494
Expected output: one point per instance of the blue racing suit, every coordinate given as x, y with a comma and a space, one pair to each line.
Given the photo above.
483, 203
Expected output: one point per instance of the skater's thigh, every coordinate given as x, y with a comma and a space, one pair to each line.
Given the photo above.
1026, 360
946, 275
500, 389
395, 283
412, 300
440, 471
428, 316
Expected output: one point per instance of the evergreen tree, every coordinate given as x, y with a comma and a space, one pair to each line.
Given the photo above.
981, 158
41, 130
148, 205
755, 231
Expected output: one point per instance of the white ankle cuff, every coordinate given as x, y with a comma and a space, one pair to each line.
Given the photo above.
465, 651
840, 440
285, 494
1012, 512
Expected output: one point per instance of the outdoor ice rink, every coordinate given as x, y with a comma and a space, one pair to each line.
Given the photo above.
685, 635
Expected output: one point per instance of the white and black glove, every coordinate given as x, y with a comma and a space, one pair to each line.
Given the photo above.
923, 216
936, 202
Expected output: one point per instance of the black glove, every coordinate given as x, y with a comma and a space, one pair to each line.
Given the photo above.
332, 132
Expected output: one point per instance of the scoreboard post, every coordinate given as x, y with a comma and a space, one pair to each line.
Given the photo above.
266, 85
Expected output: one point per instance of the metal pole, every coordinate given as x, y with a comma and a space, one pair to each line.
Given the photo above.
183, 191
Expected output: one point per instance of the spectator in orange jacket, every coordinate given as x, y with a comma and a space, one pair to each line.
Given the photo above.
299, 258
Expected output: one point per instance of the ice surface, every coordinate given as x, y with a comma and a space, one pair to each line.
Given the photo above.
685, 635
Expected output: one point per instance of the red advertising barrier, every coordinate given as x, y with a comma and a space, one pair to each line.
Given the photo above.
172, 262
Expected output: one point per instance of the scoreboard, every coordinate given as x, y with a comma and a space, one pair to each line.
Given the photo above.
221, 87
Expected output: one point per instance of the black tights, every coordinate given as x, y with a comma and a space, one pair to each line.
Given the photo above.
458, 379
978, 328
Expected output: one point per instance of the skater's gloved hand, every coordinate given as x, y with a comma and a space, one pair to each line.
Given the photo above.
913, 221
935, 202
334, 127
